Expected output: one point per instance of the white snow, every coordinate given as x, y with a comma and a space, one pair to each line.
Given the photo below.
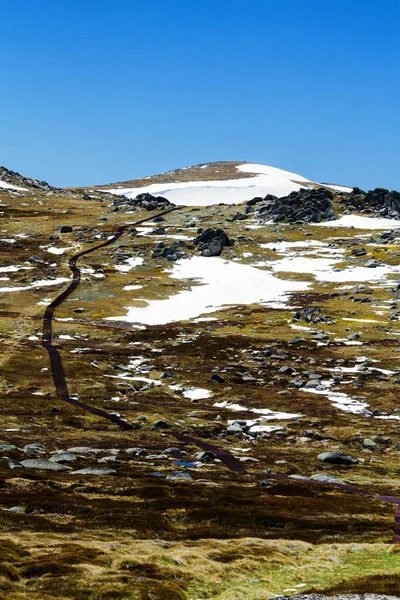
360, 222
283, 246
35, 284
8, 186
338, 188
340, 400
54, 250
300, 264
14, 269
324, 269
197, 393
129, 264
265, 180
130, 288
224, 283
257, 425
268, 414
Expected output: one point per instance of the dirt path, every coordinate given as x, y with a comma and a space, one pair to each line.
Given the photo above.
57, 369
61, 386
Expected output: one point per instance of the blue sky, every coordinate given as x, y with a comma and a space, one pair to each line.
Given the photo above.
95, 91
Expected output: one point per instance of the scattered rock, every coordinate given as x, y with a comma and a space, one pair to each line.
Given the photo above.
36, 463
304, 206
34, 449
36, 259
63, 457
160, 424
337, 458
326, 477
212, 241
180, 476
94, 471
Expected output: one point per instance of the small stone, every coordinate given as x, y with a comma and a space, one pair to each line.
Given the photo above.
215, 378
297, 340
83, 450
160, 424
36, 259
17, 509
7, 447
326, 477
180, 476
36, 463
173, 452
233, 429
94, 471
370, 444
34, 449
337, 458
63, 457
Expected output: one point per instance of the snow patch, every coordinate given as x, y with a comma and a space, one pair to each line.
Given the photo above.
265, 180
224, 283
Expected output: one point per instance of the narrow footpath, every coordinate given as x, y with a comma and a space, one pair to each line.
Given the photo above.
226, 457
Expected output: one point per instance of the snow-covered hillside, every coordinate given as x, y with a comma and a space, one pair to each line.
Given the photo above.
257, 180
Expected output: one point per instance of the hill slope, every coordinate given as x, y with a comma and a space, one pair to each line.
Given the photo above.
218, 182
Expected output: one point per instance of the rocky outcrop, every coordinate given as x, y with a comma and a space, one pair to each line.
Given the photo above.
212, 241
145, 200
379, 201
304, 206
14, 178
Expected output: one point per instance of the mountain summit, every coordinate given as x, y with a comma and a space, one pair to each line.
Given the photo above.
217, 182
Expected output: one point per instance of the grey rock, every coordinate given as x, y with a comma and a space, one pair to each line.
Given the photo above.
205, 456
34, 449
83, 450
36, 463
17, 509
94, 471
36, 259
137, 451
7, 447
326, 477
370, 444
11, 464
234, 428
337, 458
160, 424
63, 457
107, 459
215, 378
173, 452
179, 476
320, 337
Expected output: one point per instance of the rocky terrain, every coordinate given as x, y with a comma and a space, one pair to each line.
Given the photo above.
260, 327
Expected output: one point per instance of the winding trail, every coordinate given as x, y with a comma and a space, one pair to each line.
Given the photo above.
57, 369
226, 457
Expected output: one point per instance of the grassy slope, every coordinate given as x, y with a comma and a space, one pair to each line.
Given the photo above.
168, 539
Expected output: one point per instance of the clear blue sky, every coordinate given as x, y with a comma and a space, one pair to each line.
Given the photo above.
95, 91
